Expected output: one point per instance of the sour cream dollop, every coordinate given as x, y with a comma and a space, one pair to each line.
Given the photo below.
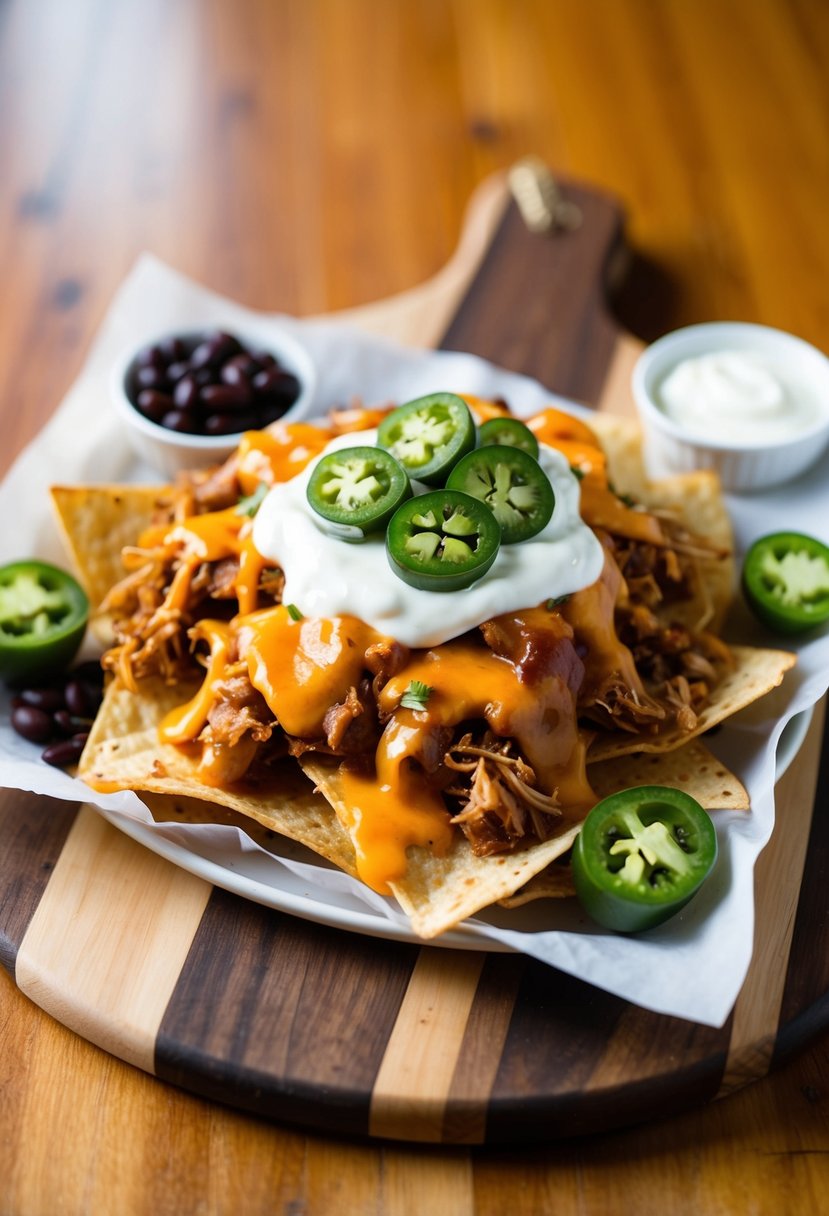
326, 576
736, 395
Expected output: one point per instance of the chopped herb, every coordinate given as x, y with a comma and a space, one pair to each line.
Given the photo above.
551, 605
577, 473
416, 695
251, 504
293, 612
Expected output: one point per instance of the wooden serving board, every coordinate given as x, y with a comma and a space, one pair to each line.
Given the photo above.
355, 1035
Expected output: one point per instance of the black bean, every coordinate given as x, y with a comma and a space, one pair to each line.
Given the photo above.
48, 699
224, 424
222, 397
150, 376
150, 356
153, 404
239, 370
66, 751
186, 392
176, 370
173, 350
276, 385
78, 700
69, 724
33, 724
181, 421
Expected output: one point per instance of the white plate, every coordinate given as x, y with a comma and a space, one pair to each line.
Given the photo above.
257, 877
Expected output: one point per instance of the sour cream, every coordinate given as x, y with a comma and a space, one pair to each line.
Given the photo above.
326, 577
737, 395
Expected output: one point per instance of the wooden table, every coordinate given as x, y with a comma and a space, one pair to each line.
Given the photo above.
315, 156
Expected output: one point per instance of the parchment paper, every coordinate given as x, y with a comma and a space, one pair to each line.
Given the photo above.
692, 967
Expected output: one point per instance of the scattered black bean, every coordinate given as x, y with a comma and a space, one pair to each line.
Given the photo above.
210, 385
49, 699
66, 752
33, 724
60, 714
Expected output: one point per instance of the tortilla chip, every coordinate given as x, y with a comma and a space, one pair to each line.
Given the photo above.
124, 751
556, 882
97, 522
755, 673
439, 892
696, 499
692, 768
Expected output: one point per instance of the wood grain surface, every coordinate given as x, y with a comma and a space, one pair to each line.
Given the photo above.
319, 155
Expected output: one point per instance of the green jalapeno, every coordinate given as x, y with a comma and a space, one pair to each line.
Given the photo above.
43, 615
357, 490
641, 855
429, 435
509, 433
786, 581
513, 486
442, 541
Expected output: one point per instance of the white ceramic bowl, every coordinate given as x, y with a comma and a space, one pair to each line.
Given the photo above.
749, 462
171, 451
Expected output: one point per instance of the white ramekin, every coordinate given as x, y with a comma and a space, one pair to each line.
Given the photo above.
742, 465
169, 452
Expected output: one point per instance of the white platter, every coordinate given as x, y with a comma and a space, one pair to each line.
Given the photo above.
256, 876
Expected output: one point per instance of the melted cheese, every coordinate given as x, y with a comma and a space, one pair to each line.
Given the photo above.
185, 723
399, 807
304, 667
394, 809
278, 453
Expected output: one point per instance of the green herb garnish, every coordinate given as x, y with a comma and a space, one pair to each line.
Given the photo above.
293, 612
252, 502
416, 695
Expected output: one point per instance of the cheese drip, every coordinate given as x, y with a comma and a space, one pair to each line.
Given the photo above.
399, 807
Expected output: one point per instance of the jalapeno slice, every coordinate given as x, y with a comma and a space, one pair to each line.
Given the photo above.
429, 435
641, 855
43, 615
513, 486
786, 581
442, 541
509, 433
357, 490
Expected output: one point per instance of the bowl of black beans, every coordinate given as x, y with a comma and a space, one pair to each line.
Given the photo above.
188, 397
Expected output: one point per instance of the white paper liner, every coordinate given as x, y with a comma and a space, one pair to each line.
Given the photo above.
691, 967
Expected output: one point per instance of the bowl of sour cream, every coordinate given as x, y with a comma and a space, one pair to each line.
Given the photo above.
750, 402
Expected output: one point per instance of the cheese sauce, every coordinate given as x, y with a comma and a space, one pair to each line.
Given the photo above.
328, 577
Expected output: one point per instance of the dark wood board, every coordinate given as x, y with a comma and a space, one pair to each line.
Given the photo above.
355, 1035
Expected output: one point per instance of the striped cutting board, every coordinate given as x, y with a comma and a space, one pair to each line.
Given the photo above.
343, 1033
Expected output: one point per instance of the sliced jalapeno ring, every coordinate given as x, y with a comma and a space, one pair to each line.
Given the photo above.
786, 581
43, 615
513, 486
442, 541
509, 433
429, 435
641, 854
357, 490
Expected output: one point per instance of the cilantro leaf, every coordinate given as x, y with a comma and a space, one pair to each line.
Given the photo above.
416, 695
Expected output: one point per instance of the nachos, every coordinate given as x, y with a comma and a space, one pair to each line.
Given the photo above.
451, 763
